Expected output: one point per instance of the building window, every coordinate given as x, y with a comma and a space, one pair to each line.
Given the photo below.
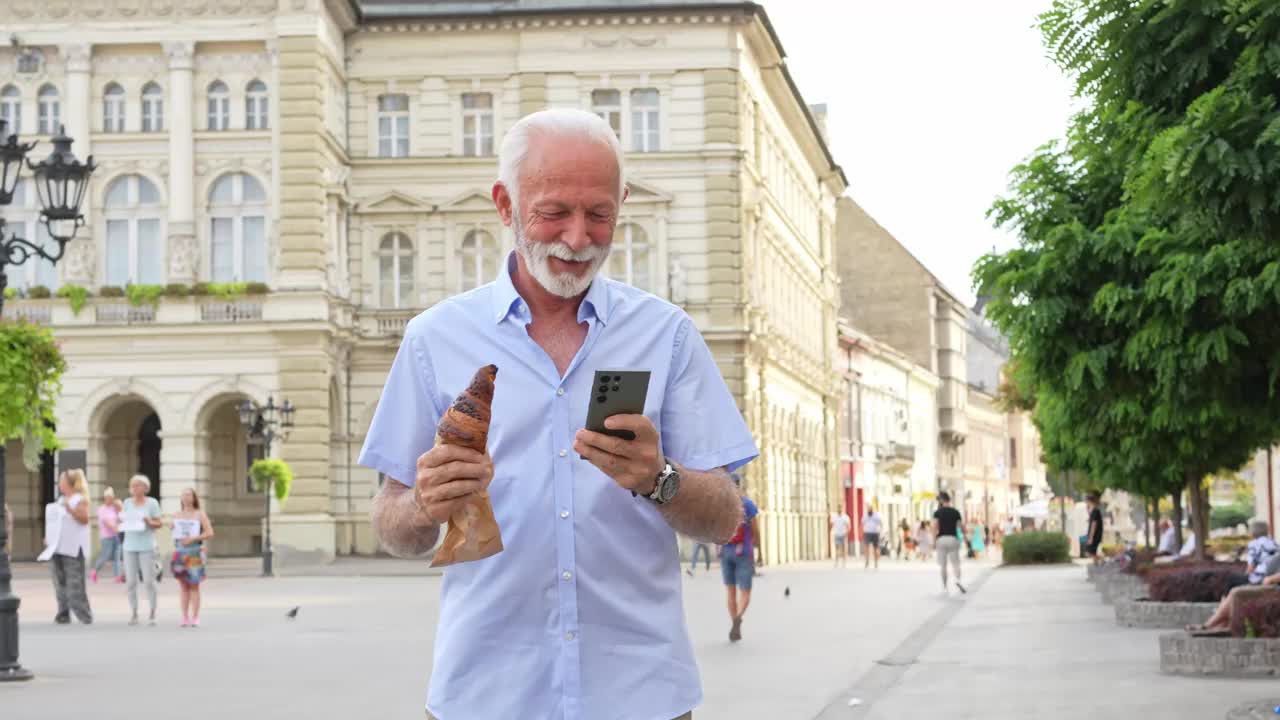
255, 106
608, 105
477, 260
1013, 452
238, 229
393, 126
48, 110
629, 258
152, 108
113, 108
23, 220
477, 124
219, 106
11, 109
644, 120
395, 271
135, 241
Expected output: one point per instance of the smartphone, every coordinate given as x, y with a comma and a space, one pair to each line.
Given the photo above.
616, 392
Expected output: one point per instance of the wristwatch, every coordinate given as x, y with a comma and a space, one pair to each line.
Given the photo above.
666, 485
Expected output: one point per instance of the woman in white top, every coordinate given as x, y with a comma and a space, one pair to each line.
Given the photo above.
191, 527
67, 563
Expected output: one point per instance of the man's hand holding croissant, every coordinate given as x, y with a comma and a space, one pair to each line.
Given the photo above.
447, 475
633, 464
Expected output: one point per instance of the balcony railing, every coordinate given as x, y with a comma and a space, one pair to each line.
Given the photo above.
896, 457
35, 314
231, 312
124, 314
385, 323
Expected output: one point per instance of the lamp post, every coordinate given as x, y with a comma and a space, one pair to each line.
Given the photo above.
262, 424
60, 182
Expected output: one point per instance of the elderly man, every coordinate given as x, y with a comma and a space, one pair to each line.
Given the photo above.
580, 617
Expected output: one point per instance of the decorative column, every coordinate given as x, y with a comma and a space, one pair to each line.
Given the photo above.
183, 250
80, 262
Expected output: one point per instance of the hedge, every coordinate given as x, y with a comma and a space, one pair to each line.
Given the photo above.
1197, 584
1259, 618
1036, 548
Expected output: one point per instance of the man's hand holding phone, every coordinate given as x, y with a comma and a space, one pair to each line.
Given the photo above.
633, 464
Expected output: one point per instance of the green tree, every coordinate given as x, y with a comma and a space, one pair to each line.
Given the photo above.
1143, 302
31, 367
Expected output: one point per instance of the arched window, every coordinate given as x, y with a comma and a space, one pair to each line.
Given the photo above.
219, 106
113, 108
238, 229
629, 258
11, 109
152, 108
22, 218
255, 106
135, 238
395, 271
477, 260
48, 111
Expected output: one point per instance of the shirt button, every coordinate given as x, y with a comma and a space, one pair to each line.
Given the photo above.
563, 453
567, 575
569, 636
559, 391
564, 514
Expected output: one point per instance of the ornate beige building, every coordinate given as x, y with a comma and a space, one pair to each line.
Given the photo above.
342, 154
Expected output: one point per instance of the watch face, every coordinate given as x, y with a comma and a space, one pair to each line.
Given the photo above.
668, 487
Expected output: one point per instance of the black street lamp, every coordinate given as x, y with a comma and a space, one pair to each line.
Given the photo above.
260, 423
60, 181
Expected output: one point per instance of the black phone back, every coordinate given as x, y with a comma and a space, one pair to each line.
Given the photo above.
616, 392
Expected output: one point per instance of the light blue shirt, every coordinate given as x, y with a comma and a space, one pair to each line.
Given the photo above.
143, 540
580, 617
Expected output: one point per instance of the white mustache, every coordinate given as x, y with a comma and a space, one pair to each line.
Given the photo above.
562, 251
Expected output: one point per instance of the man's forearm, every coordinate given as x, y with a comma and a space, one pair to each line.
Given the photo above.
399, 526
707, 508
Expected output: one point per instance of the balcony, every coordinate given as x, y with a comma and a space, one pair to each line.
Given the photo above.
896, 457
123, 313
34, 312
231, 311
385, 323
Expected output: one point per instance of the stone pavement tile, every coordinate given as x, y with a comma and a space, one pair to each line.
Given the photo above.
1039, 643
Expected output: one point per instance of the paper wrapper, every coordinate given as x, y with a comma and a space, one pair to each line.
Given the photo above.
473, 531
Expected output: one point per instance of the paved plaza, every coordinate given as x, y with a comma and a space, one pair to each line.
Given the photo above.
1023, 644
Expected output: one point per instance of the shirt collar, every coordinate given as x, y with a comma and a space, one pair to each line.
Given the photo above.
506, 298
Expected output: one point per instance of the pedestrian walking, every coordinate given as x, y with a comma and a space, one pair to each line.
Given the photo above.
598, 513
71, 553
924, 541
871, 525
139, 519
948, 528
905, 541
699, 547
191, 527
109, 537
977, 542
1093, 538
737, 567
840, 524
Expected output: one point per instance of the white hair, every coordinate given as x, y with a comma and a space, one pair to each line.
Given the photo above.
564, 122
140, 478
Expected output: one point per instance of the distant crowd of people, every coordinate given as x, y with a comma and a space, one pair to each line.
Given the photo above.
127, 541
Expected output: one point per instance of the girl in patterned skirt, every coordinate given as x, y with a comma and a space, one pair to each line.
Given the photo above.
191, 527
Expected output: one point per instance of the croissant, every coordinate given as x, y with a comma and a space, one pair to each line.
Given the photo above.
473, 530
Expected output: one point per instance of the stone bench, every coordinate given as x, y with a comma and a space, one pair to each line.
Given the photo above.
1121, 587
1093, 572
1182, 654
1162, 615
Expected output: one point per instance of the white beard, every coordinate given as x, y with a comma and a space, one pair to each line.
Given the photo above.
566, 285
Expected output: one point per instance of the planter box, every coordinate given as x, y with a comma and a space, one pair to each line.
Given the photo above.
1182, 654
1119, 587
1158, 615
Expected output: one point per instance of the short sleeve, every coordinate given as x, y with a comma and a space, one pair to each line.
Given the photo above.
749, 509
404, 425
702, 428
153, 508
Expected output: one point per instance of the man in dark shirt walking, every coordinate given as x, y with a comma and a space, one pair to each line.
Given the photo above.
1094, 536
946, 521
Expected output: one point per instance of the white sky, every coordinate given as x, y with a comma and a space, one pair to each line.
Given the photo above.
930, 104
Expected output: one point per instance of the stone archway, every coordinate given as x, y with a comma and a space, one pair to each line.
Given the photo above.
125, 441
26, 494
223, 456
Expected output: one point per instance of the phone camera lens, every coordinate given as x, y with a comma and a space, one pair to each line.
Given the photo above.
604, 388
615, 388
600, 399
604, 378
617, 378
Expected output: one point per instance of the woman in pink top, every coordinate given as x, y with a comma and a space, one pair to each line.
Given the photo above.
109, 534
